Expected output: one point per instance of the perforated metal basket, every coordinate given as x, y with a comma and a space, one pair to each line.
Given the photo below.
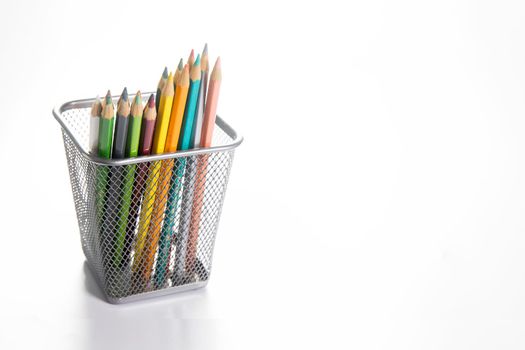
137, 246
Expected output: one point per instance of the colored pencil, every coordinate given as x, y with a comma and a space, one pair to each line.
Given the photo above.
148, 127
132, 144
160, 86
124, 238
191, 167
105, 142
191, 59
161, 197
199, 114
210, 114
189, 177
144, 243
94, 121
149, 117
177, 111
105, 133
212, 98
191, 105
121, 126
177, 74
177, 116
116, 175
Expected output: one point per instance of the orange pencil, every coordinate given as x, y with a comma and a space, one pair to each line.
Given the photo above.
172, 138
178, 72
146, 242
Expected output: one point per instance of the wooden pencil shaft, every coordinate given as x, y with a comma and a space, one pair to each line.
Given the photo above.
94, 123
166, 232
133, 139
145, 147
121, 133
163, 119
189, 113
146, 137
161, 198
199, 114
189, 118
210, 113
187, 204
105, 137
157, 98
168, 225
198, 199
145, 218
147, 228
160, 86
124, 236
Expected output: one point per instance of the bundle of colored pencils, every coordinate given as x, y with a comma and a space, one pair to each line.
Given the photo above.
137, 203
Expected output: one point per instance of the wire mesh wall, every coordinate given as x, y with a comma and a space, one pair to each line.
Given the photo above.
146, 227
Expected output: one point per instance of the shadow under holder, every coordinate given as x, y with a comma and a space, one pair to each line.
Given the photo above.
128, 262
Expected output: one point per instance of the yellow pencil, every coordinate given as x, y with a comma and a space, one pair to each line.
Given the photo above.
159, 141
161, 197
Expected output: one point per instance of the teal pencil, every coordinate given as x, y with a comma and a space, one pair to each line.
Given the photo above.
191, 105
185, 144
176, 180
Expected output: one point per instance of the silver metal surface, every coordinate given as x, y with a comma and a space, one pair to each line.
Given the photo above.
220, 143
109, 229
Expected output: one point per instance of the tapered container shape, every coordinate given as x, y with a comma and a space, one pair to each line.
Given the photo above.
120, 282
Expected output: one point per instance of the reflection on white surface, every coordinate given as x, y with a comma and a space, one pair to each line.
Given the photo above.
176, 320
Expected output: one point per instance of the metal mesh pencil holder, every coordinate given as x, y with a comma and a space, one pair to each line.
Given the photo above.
147, 224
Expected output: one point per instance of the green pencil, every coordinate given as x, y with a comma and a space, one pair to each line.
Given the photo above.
105, 140
124, 238
105, 131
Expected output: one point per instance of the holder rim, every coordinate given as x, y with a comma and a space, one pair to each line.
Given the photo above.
86, 103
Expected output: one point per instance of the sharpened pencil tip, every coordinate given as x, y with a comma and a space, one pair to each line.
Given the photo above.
218, 63
198, 60
125, 94
108, 98
165, 73
205, 50
151, 101
138, 97
181, 65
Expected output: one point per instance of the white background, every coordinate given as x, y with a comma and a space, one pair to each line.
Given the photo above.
376, 203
